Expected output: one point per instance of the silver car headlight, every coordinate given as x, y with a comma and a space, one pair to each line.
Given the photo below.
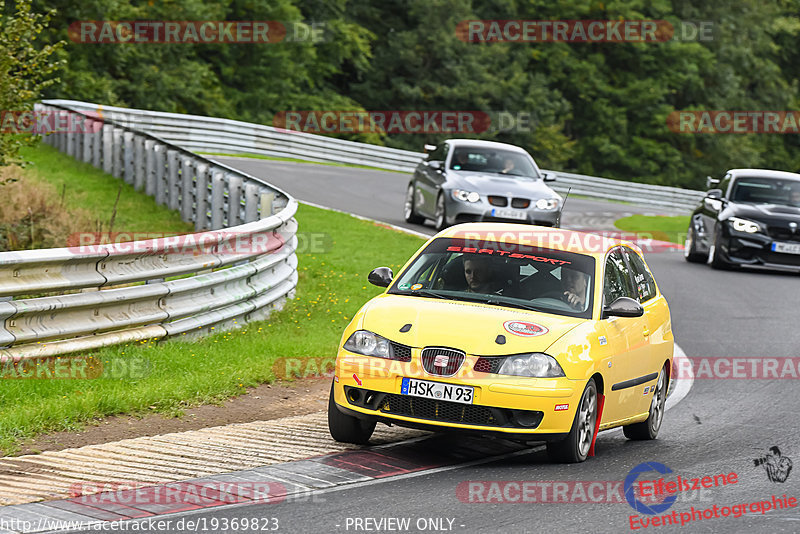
466, 196
537, 365
547, 203
743, 225
369, 344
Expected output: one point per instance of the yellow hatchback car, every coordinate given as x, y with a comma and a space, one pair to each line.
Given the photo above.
524, 332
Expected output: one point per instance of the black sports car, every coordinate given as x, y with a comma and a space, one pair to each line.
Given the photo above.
749, 219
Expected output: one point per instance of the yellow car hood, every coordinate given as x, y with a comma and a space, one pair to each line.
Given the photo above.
471, 327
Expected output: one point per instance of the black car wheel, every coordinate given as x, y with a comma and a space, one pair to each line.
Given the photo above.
575, 447
441, 213
715, 257
346, 428
649, 428
690, 247
409, 211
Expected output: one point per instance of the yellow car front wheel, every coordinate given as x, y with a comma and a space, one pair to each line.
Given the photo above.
575, 447
346, 428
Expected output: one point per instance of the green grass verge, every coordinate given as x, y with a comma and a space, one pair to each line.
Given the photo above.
661, 227
296, 160
332, 286
93, 191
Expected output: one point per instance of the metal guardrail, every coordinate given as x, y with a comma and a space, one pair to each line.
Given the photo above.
208, 134
238, 267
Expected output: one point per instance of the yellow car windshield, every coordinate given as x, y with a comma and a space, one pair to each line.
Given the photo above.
541, 279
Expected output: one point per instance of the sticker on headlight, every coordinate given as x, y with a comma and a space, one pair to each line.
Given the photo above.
525, 329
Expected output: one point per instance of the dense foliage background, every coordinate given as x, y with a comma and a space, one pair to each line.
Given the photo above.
600, 108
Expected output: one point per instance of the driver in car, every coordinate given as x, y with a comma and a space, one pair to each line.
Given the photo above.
574, 284
477, 271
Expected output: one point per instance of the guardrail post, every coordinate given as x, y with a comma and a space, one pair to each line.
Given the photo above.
89, 139
267, 200
148, 147
116, 152
201, 197
139, 163
106, 150
127, 157
160, 178
172, 179
217, 200
251, 200
234, 200
187, 189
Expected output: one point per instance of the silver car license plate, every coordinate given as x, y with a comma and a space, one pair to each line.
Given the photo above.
786, 248
509, 214
437, 390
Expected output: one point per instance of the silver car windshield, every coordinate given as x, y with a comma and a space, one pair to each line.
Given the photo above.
491, 160
503, 274
766, 191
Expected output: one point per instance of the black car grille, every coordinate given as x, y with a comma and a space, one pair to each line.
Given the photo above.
520, 202
498, 201
451, 358
489, 365
442, 411
451, 412
783, 234
401, 353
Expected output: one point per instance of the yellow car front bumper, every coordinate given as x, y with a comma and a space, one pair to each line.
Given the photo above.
501, 403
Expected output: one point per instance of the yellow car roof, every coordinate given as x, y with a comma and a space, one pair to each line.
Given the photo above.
537, 236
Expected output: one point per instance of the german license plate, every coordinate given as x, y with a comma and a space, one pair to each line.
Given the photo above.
509, 214
437, 390
786, 248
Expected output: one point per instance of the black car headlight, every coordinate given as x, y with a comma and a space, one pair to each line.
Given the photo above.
369, 344
537, 364
744, 225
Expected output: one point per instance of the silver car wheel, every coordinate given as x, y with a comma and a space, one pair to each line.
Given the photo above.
408, 209
657, 404
587, 418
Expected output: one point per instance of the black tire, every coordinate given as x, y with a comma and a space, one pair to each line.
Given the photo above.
715, 258
409, 209
690, 252
648, 429
441, 213
346, 428
575, 447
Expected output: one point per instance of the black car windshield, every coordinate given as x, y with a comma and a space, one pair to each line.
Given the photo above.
503, 274
766, 191
492, 160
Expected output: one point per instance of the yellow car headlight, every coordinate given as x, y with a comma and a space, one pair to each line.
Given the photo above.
369, 343
537, 364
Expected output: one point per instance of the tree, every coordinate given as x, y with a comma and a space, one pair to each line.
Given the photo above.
25, 72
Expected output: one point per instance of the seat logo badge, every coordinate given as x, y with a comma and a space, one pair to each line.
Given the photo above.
441, 361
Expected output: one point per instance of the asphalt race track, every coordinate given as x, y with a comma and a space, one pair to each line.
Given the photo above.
720, 427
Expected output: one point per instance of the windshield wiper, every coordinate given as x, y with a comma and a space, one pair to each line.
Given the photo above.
421, 293
497, 302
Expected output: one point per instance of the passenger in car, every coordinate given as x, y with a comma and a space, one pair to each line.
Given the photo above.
574, 283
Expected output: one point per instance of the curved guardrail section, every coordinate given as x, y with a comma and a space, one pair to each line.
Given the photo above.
208, 134
237, 268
